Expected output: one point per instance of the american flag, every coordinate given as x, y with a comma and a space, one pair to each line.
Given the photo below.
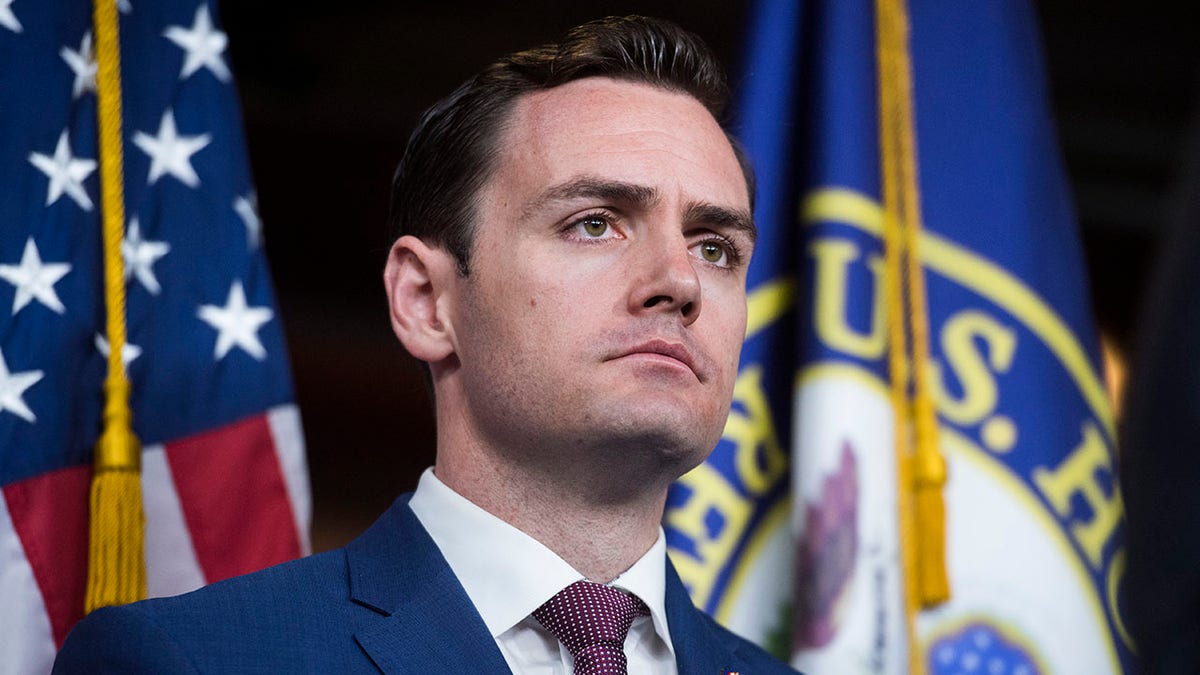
224, 480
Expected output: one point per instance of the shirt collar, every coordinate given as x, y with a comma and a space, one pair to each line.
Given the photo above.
506, 573
647, 579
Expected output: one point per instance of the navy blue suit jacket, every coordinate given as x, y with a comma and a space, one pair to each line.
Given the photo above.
387, 602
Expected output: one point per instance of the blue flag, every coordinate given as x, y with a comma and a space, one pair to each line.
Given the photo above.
1033, 525
224, 479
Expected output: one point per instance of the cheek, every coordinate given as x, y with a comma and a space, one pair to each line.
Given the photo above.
540, 314
727, 310
727, 332
565, 289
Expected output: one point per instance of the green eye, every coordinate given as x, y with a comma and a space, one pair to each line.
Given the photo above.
712, 252
594, 227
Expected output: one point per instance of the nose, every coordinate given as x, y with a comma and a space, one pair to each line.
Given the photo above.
665, 281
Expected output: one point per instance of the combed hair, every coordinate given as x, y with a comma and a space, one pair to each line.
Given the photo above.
454, 148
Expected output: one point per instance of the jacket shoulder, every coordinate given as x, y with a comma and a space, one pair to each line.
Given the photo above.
299, 587
121, 640
289, 617
758, 661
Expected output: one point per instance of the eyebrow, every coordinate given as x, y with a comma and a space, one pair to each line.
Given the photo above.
722, 217
592, 187
642, 197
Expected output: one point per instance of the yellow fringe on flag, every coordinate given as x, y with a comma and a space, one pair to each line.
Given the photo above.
116, 546
920, 467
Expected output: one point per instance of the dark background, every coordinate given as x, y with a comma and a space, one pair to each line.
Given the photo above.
330, 92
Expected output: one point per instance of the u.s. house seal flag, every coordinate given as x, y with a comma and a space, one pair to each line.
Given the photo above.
957, 282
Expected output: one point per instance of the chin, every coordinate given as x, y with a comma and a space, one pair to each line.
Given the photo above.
670, 440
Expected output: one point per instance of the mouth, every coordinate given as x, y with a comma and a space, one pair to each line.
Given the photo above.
669, 353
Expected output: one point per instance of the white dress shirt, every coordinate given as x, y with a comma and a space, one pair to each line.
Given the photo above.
507, 575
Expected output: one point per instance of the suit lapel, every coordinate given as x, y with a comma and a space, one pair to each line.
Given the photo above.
699, 648
426, 622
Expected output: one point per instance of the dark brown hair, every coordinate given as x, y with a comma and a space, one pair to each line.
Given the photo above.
454, 148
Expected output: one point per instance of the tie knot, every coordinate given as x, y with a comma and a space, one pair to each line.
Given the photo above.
592, 620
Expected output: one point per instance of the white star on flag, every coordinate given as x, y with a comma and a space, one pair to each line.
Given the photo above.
140, 256
12, 388
7, 18
236, 323
129, 352
83, 64
124, 7
34, 280
247, 209
203, 45
171, 153
66, 173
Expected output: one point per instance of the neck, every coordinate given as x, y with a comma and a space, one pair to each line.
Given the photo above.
600, 538
599, 508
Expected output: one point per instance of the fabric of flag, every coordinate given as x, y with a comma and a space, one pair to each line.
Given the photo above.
224, 479
1033, 517
1034, 534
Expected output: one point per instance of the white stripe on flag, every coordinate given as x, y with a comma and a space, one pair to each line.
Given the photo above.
171, 565
26, 642
289, 447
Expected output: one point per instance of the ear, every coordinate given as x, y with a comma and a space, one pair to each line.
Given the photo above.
416, 279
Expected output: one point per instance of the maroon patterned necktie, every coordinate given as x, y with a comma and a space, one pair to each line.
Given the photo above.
592, 620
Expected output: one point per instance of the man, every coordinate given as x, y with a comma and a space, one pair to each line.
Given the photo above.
575, 231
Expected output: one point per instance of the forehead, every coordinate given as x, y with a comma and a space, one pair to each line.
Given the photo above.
626, 131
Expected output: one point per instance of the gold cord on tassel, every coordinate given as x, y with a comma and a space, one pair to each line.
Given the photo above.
921, 469
929, 471
116, 546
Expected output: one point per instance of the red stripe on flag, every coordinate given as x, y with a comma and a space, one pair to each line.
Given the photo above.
234, 499
50, 514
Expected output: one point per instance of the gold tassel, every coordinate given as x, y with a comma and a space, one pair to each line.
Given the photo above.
116, 560
929, 478
116, 538
929, 470
920, 467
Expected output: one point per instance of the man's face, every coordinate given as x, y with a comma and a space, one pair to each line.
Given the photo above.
605, 310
